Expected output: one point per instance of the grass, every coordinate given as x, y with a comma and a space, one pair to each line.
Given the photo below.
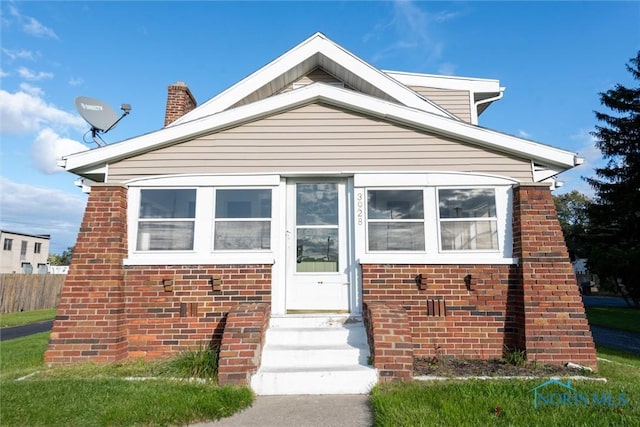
509, 402
627, 319
101, 395
25, 317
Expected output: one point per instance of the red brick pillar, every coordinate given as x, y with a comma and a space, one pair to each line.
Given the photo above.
390, 341
242, 343
555, 326
89, 324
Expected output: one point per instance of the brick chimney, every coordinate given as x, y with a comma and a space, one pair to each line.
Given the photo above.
180, 101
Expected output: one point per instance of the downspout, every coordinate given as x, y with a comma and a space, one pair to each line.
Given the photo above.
487, 100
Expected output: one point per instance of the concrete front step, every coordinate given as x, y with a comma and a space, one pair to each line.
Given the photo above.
302, 356
315, 355
334, 380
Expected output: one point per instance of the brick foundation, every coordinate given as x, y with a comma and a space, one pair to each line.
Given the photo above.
448, 318
242, 343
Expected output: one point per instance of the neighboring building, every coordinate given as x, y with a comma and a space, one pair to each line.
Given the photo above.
321, 185
24, 253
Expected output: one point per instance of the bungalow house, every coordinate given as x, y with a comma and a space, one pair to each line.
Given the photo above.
323, 222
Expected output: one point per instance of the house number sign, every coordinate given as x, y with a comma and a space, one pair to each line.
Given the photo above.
360, 207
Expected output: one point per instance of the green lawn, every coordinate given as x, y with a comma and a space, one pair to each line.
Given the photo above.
627, 319
99, 395
25, 317
510, 402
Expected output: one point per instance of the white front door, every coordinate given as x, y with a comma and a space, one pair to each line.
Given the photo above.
317, 271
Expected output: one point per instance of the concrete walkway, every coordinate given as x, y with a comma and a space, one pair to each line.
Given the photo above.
301, 411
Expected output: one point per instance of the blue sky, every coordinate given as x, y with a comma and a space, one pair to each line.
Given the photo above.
554, 58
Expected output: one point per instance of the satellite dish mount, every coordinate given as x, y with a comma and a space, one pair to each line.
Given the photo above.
100, 116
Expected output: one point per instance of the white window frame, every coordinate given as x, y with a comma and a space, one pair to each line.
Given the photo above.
162, 219
216, 220
430, 183
471, 219
422, 221
203, 250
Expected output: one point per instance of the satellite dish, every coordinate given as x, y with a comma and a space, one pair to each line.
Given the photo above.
99, 115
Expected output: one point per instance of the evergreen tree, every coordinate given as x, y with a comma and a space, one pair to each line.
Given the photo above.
614, 216
573, 215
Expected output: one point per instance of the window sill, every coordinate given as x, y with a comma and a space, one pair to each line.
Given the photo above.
191, 259
466, 259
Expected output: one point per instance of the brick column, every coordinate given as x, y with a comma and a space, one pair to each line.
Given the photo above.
242, 342
554, 322
90, 320
390, 340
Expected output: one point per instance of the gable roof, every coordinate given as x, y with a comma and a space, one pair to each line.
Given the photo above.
378, 94
316, 51
85, 161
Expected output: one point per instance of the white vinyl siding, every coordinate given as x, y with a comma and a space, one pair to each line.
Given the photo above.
319, 138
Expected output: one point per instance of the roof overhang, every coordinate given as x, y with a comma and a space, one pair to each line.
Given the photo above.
421, 120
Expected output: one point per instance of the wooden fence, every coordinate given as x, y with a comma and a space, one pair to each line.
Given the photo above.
25, 292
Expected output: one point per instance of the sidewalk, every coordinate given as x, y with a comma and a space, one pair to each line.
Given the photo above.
301, 411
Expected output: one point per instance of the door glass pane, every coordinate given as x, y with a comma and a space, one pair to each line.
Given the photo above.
317, 250
317, 204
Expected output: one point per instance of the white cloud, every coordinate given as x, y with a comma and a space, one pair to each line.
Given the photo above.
22, 112
414, 27
447, 68
48, 147
76, 81
3, 73
35, 28
31, 25
39, 210
32, 90
28, 74
19, 54
524, 134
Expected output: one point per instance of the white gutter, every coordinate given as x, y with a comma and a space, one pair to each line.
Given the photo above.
486, 101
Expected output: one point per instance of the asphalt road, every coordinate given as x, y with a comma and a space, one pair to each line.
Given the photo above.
24, 330
598, 301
